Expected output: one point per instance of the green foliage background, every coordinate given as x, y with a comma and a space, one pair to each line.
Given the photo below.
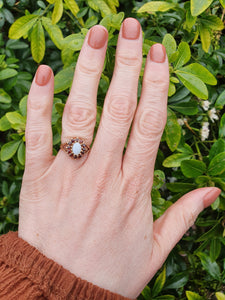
192, 151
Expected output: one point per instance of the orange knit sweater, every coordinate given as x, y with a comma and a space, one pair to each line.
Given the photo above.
27, 274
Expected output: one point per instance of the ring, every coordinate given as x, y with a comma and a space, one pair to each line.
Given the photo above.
75, 147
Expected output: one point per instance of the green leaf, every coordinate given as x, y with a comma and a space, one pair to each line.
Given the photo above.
184, 55
63, 79
76, 44
170, 44
54, 32
57, 12
159, 179
23, 105
172, 89
7, 73
207, 236
185, 148
212, 22
8, 15
175, 160
103, 7
91, 22
112, 5
186, 108
21, 153
217, 147
220, 102
210, 266
190, 20
193, 296
177, 281
15, 118
202, 180
92, 5
146, 293
21, 26
182, 187
174, 79
38, 42
9, 149
166, 297
220, 296
193, 83
217, 164
181, 93
73, 7
205, 38
4, 124
222, 127
219, 181
155, 6
193, 168
215, 249
4, 97
159, 283
223, 4
172, 130
198, 6
201, 72
60, 108
72, 43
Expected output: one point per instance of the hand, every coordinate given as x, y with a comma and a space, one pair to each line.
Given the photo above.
93, 215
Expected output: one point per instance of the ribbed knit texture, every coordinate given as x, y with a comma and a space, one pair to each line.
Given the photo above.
25, 273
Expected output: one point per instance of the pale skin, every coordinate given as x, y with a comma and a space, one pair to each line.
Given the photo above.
93, 215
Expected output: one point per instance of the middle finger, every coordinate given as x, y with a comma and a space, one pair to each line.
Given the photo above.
121, 98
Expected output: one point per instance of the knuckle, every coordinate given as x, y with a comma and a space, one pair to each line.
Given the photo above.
128, 58
133, 192
156, 85
39, 104
187, 218
151, 123
120, 108
90, 69
80, 115
36, 139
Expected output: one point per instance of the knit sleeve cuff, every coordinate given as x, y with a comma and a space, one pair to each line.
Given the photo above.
43, 274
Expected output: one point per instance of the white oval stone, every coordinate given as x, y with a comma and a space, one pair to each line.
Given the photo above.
76, 148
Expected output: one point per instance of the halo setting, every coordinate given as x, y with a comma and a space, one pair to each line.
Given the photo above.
75, 147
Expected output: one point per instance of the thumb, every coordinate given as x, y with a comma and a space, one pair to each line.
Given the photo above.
178, 218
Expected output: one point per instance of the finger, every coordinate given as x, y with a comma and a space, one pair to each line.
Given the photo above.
150, 117
173, 224
38, 127
79, 115
121, 98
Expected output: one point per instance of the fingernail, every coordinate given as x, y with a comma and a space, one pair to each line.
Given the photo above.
211, 196
131, 29
158, 53
97, 37
43, 75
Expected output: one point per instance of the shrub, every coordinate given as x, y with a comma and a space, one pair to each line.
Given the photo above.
192, 150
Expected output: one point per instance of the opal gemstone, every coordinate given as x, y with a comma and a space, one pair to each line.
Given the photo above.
76, 148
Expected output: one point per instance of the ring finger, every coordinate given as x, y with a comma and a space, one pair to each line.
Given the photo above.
80, 110
121, 99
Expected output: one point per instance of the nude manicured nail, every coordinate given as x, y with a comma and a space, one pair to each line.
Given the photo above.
97, 37
211, 196
158, 53
43, 75
131, 29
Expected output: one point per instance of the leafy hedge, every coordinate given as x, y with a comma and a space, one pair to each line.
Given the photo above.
192, 151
